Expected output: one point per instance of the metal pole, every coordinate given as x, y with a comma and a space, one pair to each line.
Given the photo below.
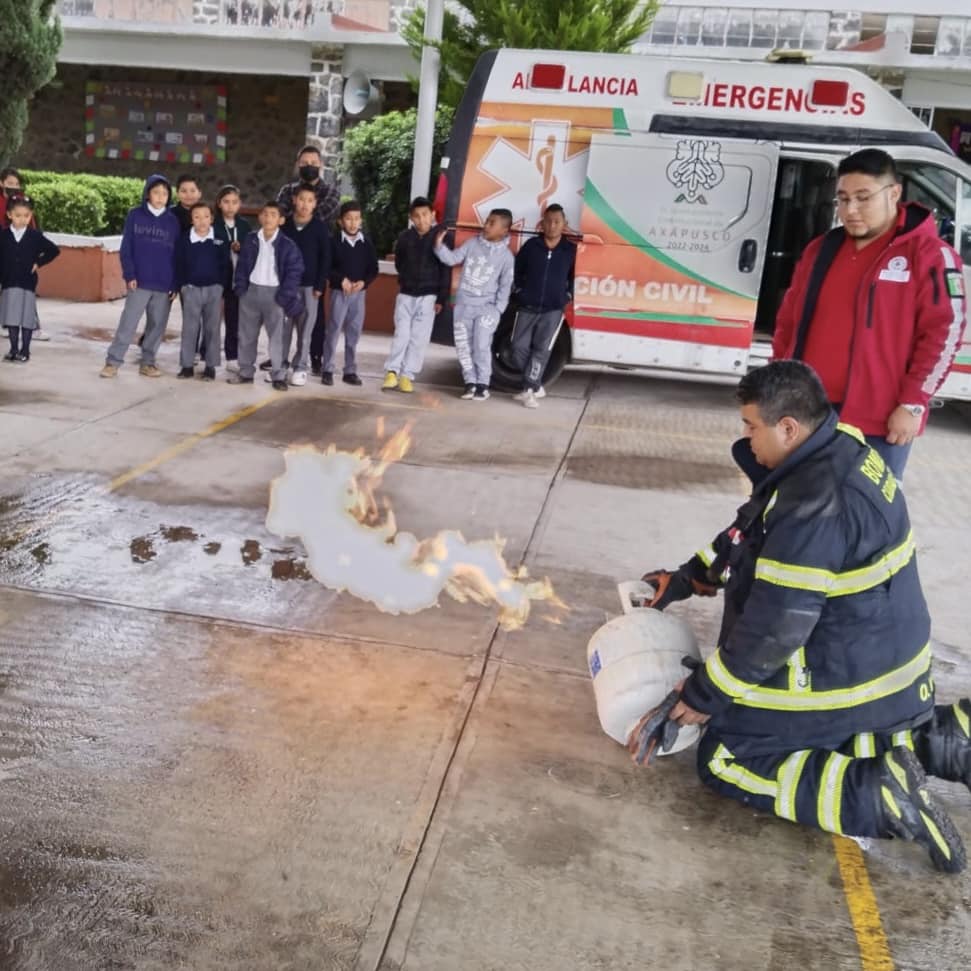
421, 171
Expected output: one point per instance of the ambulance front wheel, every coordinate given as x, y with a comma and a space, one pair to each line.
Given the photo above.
505, 377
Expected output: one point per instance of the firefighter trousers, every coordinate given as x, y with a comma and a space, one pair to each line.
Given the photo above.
832, 790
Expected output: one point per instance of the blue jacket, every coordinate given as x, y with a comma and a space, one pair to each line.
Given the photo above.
148, 243
314, 242
17, 260
289, 270
825, 631
544, 277
203, 264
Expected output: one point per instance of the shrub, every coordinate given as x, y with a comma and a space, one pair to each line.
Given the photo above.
67, 207
117, 193
377, 157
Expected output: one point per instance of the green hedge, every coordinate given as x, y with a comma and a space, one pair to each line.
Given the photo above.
70, 205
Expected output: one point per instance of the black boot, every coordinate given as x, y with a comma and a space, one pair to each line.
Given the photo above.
944, 744
906, 811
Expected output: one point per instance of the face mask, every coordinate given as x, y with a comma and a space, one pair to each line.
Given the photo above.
11, 191
309, 173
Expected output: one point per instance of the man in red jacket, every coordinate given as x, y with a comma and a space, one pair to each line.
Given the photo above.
877, 307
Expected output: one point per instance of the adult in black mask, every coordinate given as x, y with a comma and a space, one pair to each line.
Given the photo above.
308, 172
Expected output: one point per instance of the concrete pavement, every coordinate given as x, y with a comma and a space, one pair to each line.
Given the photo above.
209, 761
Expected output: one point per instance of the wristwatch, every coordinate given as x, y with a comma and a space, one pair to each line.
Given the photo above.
916, 410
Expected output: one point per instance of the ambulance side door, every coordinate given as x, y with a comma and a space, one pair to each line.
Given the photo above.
675, 230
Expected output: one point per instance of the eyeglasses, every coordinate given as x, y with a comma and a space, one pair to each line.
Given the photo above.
862, 199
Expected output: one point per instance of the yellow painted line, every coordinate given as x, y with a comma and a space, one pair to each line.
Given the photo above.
190, 442
862, 905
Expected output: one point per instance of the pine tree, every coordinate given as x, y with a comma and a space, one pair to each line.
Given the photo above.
474, 26
30, 37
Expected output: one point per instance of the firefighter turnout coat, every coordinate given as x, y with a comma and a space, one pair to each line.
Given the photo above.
825, 632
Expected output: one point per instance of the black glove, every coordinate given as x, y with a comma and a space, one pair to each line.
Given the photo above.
653, 730
670, 587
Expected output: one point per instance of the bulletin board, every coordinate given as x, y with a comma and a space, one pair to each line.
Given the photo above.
156, 122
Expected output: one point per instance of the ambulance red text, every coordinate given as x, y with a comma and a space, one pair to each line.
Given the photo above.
758, 97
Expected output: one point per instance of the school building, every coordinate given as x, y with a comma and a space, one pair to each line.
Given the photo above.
229, 89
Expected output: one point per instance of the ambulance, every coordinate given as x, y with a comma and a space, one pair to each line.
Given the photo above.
693, 187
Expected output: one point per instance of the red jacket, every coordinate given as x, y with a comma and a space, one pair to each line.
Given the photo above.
907, 317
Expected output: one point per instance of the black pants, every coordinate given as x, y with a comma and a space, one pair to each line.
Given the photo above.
19, 340
231, 316
317, 334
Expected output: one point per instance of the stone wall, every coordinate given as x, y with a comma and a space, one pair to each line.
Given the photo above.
265, 128
325, 111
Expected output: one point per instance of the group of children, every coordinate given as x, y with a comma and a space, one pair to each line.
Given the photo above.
274, 279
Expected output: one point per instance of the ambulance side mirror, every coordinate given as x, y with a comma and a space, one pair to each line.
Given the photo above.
747, 255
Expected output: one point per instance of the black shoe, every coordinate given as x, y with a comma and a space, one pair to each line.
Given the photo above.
279, 386
186, 372
469, 393
326, 377
481, 393
315, 367
12, 356
238, 379
23, 358
209, 374
353, 379
266, 365
944, 745
905, 808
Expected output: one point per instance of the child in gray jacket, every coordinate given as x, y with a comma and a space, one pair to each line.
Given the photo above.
482, 296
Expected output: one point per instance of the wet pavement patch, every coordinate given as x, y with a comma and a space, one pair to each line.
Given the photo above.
648, 472
290, 570
212, 548
178, 534
42, 553
251, 552
142, 549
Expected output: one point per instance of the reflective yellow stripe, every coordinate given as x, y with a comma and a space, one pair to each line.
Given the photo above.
830, 800
790, 772
779, 699
707, 555
722, 764
837, 584
798, 672
852, 431
770, 505
904, 738
865, 745
962, 718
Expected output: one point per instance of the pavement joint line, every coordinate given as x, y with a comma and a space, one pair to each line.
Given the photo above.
861, 902
379, 939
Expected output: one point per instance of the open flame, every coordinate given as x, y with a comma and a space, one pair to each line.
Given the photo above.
329, 499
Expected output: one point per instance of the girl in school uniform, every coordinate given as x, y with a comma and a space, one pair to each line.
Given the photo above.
22, 251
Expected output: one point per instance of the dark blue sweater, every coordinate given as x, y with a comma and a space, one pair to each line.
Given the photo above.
201, 264
314, 242
148, 244
354, 263
17, 260
544, 277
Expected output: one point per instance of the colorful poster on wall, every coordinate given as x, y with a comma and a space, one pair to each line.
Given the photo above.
155, 122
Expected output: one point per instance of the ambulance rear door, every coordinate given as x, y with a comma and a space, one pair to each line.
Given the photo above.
674, 238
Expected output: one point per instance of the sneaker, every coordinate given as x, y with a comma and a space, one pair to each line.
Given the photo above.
40, 335
266, 365
108, 371
390, 381
23, 358
233, 366
529, 400
406, 385
268, 378
186, 372
481, 393
209, 374
353, 379
521, 396
943, 745
905, 807
469, 393
149, 371
326, 377
298, 379
280, 386
541, 392
238, 379
315, 367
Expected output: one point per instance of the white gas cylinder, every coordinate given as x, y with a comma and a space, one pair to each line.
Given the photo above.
635, 660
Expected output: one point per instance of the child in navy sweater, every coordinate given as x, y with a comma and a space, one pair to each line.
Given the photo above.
22, 251
232, 229
202, 270
354, 266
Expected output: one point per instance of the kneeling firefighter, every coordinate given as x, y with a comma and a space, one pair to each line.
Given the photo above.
818, 701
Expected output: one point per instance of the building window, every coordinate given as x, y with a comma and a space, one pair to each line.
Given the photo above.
950, 37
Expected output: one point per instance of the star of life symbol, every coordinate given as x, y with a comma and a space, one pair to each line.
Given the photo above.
696, 166
536, 177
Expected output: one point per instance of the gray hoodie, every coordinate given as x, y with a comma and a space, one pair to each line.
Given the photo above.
486, 275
